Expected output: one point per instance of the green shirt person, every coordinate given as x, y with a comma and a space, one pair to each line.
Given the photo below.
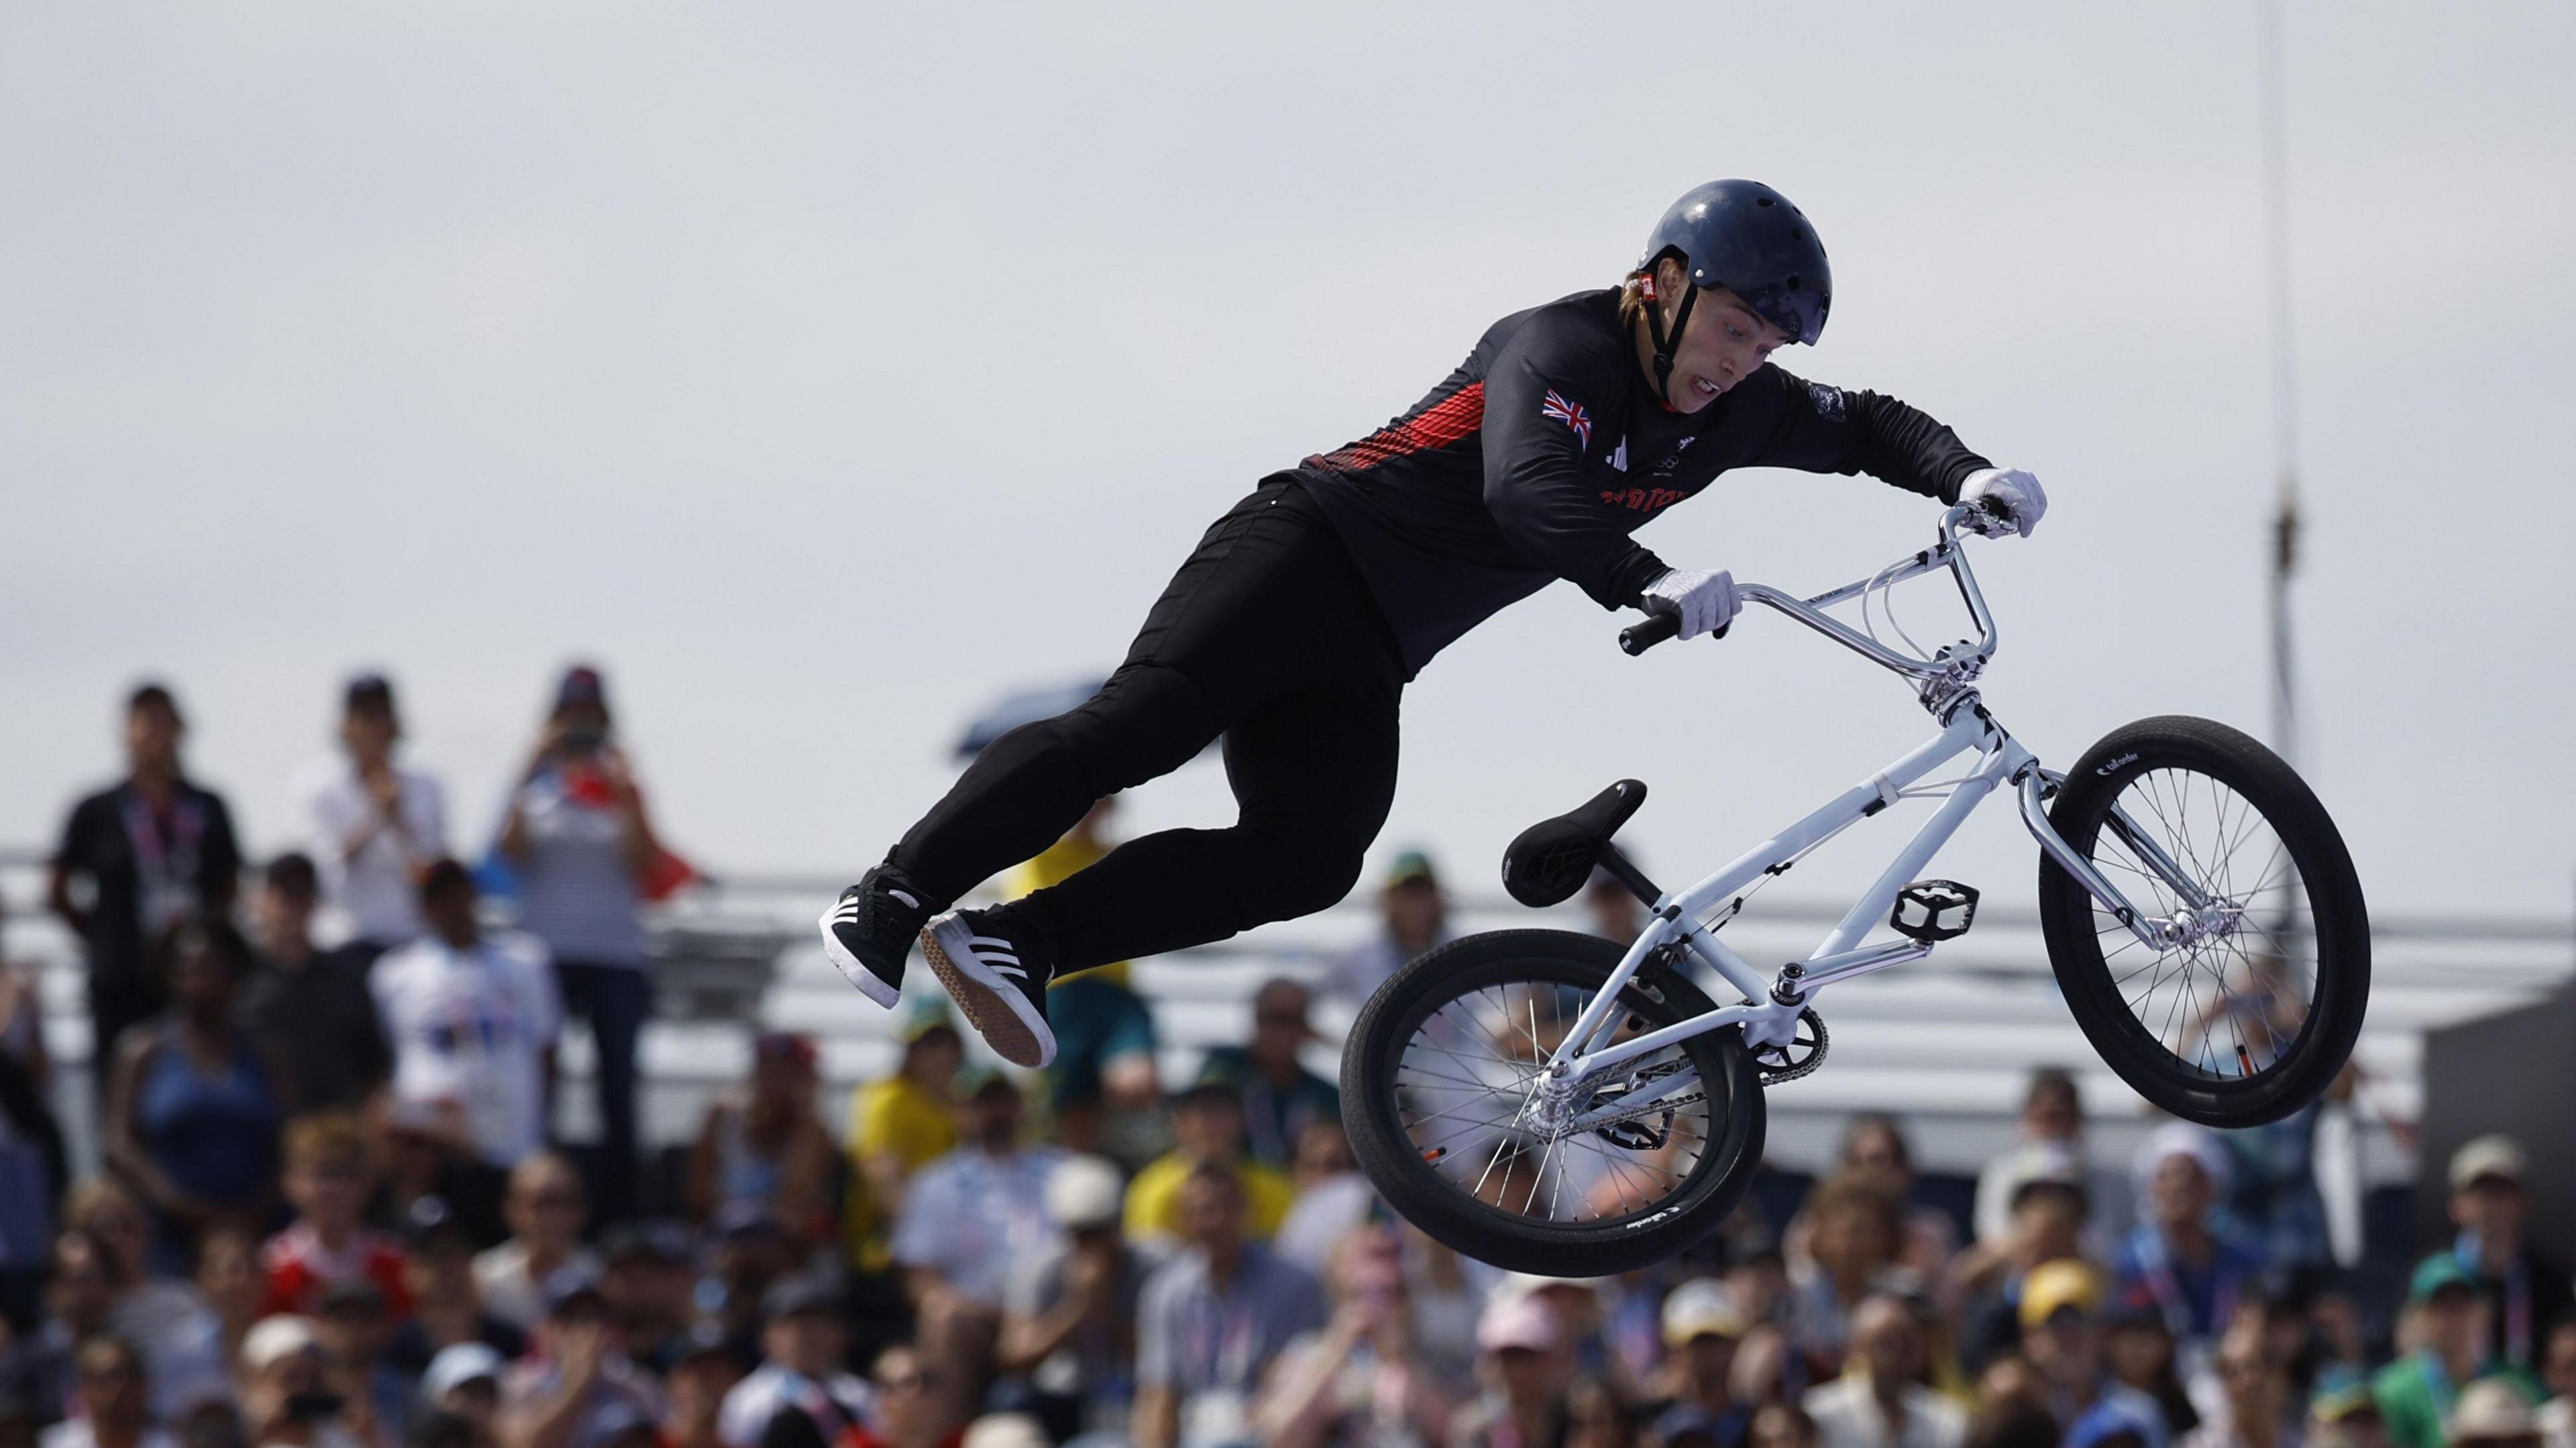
2416, 1393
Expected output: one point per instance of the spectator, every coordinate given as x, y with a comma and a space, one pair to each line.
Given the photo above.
579, 1389
1207, 1125
1104, 1060
2048, 1208
1616, 912
472, 1018
1212, 1319
311, 1010
2174, 1261
328, 1181
701, 1374
22, 1012
2256, 1407
447, 1302
898, 1125
2558, 1379
355, 1328
114, 1400
1526, 1380
1854, 1226
753, 1255
2143, 1355
545, 1210
1332, 1198
1069, 1311
136, 858
2012, 1422
1281, 1098
1580, 1320
34, 1169
2417, 1393
1363, 1378
194, 1109
968, 1220
375, 827
435, 1429
801, 1347
2052, 1121
1874, 1147
286, 1393
2525, 1292
429, 1168
231, 1284
180, 1338
764, 1143
2061, 1335
1880, 1400
1702, 1323
465, 1380
2343, 1414
2493, 1414
907, 1410
651, 1286
21, 1419
1782, 1425
583, 846
1416, 918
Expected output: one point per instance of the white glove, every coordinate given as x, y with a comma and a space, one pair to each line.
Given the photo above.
2010, 491
1705, 601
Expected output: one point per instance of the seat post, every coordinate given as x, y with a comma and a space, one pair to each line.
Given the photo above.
1628, 874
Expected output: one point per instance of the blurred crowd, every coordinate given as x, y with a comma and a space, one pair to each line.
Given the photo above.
333, 1210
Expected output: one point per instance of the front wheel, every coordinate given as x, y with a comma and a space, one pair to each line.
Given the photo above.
2252, 1010
1442, 1093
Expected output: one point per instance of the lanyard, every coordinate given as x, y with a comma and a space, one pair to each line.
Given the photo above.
166, 864
2517, 1297
2156, 1268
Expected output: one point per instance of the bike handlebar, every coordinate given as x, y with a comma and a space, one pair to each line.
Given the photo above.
1636, 638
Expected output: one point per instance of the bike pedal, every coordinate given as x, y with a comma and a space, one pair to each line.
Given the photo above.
1934, 910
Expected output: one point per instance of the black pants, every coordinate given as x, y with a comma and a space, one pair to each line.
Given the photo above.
616, 1000
1268, 637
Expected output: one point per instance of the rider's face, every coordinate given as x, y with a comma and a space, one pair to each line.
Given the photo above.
1722, 344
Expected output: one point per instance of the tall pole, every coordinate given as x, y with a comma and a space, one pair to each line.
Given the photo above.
2285, 425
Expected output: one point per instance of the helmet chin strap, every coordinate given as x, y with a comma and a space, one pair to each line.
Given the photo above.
1666, 346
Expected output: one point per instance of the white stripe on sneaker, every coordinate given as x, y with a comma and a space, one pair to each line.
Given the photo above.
1009, 970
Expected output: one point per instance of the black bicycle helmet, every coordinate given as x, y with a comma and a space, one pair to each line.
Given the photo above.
1749, 239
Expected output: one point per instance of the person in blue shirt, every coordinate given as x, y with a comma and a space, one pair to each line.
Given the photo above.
2177, 1262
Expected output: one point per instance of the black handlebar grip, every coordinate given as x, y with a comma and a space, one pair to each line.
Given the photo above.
1636, 638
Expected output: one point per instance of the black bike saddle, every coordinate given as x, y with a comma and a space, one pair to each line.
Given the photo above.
1550, 860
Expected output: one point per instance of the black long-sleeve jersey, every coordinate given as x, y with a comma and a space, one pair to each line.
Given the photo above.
1547, 447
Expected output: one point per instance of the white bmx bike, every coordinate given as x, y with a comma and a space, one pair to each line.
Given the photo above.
1550, 1102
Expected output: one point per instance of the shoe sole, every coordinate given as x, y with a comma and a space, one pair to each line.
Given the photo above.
852, 968
993, 1006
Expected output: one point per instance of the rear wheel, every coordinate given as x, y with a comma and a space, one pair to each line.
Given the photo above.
2252, 1011
1442, 1092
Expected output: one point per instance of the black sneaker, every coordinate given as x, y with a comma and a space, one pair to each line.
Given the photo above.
870, 928
1000, 987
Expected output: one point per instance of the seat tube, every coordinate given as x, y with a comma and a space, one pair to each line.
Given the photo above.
1596, 1010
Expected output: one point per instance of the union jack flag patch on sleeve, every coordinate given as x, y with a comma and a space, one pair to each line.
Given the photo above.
1556, 405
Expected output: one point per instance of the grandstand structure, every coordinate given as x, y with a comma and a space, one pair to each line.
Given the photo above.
1945, 1043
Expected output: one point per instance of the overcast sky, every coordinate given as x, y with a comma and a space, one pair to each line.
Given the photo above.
824, 371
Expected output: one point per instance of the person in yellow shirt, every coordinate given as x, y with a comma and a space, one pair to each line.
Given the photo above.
898, 1125
1104, 1059
1207, 1121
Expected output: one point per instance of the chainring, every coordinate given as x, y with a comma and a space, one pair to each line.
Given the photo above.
1803, 1053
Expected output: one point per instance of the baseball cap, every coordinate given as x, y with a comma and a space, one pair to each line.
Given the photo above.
1410, 866
974, 1079
2489, 1156
581, 685
616, 1421
458, 1364
1084, 1191
2341, 1393
665, 1242
2041, 1164
368, 691
1005, 1430
272, 1340
568, 1288
783, 1046
1517, 1322
2492, 1408
921, 1016
2434, 1274
738, 1219
2067, 1284
804, 1292
1702, 1308
2181, 1138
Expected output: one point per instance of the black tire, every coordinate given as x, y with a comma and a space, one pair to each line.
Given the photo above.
2155, 766
1374, 1061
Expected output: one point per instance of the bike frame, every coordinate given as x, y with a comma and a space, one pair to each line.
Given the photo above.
1769, 1012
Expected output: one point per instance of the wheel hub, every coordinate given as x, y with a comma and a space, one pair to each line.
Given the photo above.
2215, 920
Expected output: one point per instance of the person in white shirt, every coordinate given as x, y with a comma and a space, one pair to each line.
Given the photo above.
112, 1396
472, 1019
801, 1343
375, 828
545, 1209
1879, 1401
